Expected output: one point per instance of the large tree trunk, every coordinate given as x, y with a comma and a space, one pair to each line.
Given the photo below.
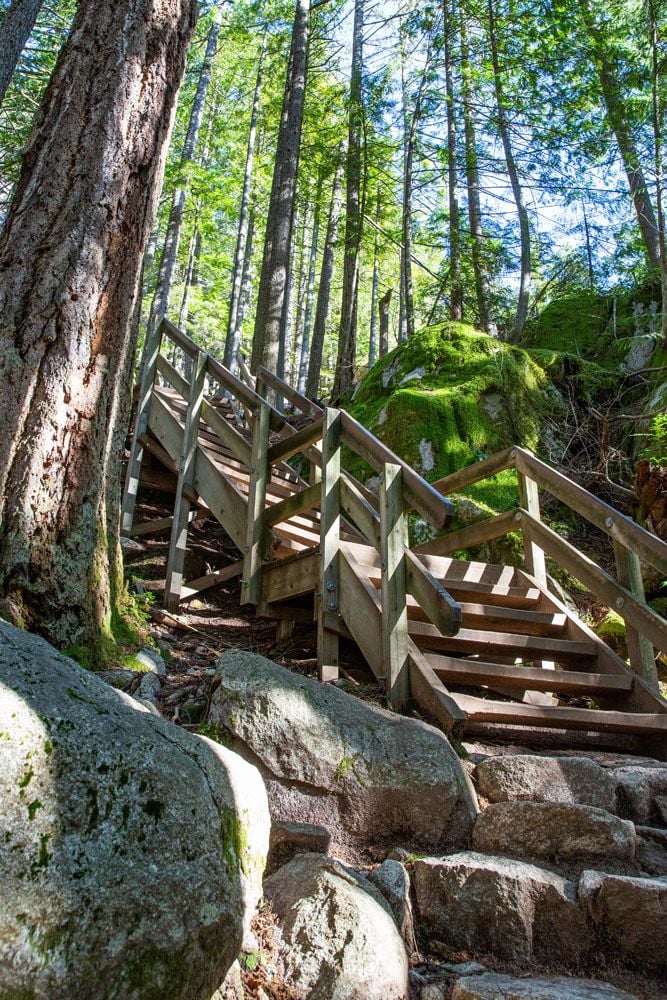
233, 340
302, 358
455, 284
618, 122
266, 348
407, 310
14, 33
482, 288
513, 173
165, 278
70, 260
347, 337
324, 288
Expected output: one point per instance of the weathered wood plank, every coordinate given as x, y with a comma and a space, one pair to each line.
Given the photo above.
471, 535
295, 504
260, 471
476, 673
195, 587
640, 650
648, 547
432, 696
362, 612
297, 399
330, 583
299, 441
462, 478
393, 545
442, 610
528, 647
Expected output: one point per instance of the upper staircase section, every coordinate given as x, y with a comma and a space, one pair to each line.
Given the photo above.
473, 644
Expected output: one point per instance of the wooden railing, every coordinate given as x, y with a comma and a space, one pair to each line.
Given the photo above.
632, 544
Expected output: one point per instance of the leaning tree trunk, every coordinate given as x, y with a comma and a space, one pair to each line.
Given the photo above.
266, 348
324, 288
482, 287
233, 340
347, 337
70, 262
165, 278
14, 33
517, 191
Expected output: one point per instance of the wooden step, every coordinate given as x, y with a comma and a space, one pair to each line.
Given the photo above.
499, 619
528, 647
511, 713
476, 673
491, 593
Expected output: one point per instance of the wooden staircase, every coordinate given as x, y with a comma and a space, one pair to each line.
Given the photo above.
474, 645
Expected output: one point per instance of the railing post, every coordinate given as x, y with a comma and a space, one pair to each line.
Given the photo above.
186, 475
640, 649
394, 540
259, 473
328, 601
148, 372
529, 499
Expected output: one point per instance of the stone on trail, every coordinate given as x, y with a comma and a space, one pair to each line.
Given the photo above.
553, 830
495, 986
371, 777
339, 939
573, 780
640, 788
393, 881
490, 906
629, 914
132, 852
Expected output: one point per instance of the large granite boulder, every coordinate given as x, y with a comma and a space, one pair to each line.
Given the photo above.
629, 915
573, 780
132, 853
372, 777
554, 830
501, 908
339, 938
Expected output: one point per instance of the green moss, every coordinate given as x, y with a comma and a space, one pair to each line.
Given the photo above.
33, 807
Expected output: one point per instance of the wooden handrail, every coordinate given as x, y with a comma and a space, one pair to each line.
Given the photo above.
296, 442
285, 390
649, 547
433, 507
472, 474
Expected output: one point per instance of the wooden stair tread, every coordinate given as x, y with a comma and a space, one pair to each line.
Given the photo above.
479, 710
531, 647
477, 673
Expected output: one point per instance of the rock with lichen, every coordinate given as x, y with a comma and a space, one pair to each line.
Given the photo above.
132, 852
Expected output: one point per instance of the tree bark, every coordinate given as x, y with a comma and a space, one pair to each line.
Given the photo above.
455, 285
407, 311
70, 261
618, 122
302, 358
324, 288
14, 33
165, 278
482, 288
232, 342
372, 338
513, 173
266, 348
383, 305
347, 337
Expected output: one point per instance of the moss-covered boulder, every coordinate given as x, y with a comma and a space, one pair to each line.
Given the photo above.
131, 852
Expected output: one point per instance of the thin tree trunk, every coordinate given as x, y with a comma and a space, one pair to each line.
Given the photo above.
246, 283
165, 278
287, 319
455, 285
310, 293
324, 289
383, 305
482, 288
14, 33
190, 277
657, 115
277, 244
513, 173
407, 313
233, 330
300, 286
618, 122
589, 253
347, 337
70, 262
372, 339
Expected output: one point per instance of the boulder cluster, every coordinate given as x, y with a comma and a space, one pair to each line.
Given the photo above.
135, 855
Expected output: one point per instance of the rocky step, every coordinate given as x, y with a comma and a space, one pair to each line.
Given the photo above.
513, 911
495, 986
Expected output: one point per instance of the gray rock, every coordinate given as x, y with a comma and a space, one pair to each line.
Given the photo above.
629, 915
573, 780
153, 661
660, 803
130, 547
494, 986
374, 778
288, 839
490, 906
149, 687
340, 941
553, 830
123, 680
393, 881
131, 852
438, 990
651, 856
638, 788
